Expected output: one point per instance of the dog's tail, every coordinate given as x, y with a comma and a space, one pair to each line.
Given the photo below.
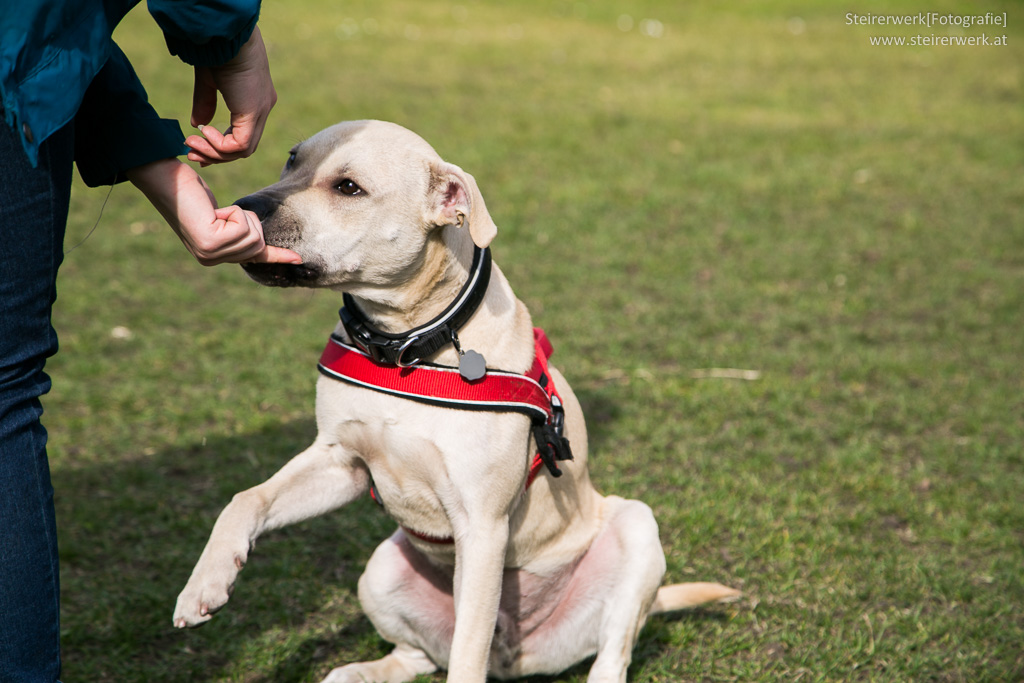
683, 595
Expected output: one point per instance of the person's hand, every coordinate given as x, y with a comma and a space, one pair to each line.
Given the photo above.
249, 94
212, 235
233, 236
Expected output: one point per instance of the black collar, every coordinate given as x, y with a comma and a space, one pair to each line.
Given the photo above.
409, 348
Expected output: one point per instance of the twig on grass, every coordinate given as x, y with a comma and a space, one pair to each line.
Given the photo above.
726, 373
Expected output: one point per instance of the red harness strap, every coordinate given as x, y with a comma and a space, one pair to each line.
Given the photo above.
533, 394
443, 385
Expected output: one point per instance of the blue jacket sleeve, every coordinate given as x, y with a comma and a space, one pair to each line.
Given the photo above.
117, 129
205, 32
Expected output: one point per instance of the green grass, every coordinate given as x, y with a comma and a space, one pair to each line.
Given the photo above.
757, 188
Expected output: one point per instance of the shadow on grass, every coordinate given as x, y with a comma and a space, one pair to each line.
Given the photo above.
130, 533
602, 409
317, 654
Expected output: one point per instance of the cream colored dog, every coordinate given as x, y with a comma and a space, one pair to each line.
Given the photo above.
538, 578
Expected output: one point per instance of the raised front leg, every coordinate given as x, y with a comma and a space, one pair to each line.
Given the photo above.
320, 479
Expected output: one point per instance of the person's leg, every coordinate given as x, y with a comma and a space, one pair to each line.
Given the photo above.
33, 215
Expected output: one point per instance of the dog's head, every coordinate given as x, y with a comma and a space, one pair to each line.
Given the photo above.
359, 201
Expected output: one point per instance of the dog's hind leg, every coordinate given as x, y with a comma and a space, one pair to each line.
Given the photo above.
631, 533
403, 664
409, 601
632, 528
322, 478
602, 607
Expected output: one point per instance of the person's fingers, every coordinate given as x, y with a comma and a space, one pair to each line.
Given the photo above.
235, 141
212, 147
204, 97
241, 137
239, 140
200, 147
233, 213
234, 236
240, 240
276, 255
243, 224
213, 137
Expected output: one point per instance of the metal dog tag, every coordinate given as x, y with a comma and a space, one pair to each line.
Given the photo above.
472, 366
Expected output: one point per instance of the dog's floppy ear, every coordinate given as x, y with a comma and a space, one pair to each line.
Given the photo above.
456, 200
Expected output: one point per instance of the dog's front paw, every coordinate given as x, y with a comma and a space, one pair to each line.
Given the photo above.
204, 594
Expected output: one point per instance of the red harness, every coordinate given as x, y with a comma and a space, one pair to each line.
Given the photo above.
533, 394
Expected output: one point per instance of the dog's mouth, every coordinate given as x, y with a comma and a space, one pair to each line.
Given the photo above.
282, 274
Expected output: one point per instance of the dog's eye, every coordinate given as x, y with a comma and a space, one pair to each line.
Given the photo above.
347, 187
291, 160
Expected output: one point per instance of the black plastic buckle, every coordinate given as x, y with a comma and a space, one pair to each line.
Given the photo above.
558, 419
382, 354
552, 447
551, 444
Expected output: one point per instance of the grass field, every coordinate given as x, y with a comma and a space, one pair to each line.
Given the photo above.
679, 187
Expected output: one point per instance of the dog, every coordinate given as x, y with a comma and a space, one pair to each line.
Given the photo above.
503, 564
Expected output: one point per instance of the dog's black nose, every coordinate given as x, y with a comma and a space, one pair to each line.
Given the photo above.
261, 205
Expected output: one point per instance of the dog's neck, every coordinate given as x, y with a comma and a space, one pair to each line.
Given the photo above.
500, 328
441, 275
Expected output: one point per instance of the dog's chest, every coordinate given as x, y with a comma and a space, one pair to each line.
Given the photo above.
422, 458
411, 501
405, 446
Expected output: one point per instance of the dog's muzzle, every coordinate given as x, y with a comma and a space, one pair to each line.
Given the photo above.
260, 204
274, 274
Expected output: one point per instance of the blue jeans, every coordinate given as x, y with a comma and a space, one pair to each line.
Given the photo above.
33, 215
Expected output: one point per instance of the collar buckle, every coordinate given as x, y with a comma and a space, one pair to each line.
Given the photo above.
400, 357
421, 342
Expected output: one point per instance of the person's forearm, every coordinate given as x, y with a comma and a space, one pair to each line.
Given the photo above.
177, 192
